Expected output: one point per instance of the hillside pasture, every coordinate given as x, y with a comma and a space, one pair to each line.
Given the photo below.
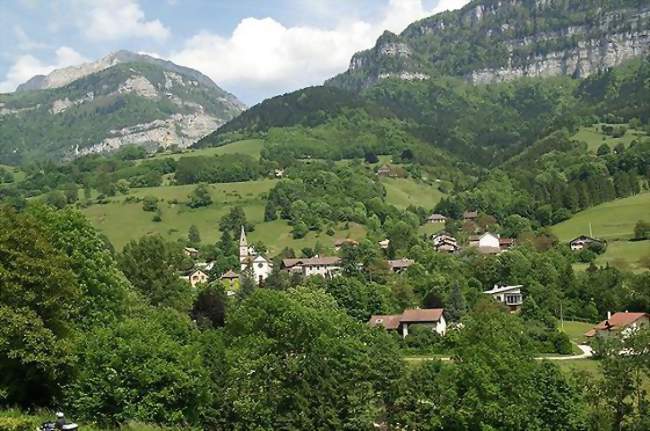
249, 147
403, 192
594, 137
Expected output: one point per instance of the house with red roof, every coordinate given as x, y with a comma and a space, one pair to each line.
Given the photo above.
428, 317
619, 323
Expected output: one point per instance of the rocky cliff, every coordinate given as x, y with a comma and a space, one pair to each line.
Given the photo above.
123, 98
496, 40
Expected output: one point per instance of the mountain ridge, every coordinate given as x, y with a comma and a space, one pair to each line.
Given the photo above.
490, 41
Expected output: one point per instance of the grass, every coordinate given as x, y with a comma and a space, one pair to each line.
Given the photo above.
594, 137
122, 221
613, 221
403, 192
251, 147
575, 330
431, 228
18, 174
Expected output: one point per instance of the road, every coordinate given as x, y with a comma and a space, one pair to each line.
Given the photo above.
587, 352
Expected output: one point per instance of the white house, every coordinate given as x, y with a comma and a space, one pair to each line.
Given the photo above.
583, 242
436, 218
487, 240
250, 260
509, 295
431, 317
326, 266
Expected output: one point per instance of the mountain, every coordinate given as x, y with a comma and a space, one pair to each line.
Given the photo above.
123, 98
496, 40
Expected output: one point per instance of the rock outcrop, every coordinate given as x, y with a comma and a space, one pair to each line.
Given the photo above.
495, 40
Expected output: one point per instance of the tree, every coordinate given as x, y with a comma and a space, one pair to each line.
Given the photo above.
149, 203
56, 199
234, 220
39, 301
642, 230
193, 235
209, 308
370, 157
151, 265
456, 305
200, 197
145, 368
603, 150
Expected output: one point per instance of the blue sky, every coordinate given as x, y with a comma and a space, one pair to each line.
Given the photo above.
255, 49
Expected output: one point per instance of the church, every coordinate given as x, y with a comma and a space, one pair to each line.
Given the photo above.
251, 261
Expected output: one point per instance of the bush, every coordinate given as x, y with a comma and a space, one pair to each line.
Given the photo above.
17, 423
150, 203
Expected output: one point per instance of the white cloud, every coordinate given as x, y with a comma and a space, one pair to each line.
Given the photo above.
26, 66
119, 19
264, 54
444, 5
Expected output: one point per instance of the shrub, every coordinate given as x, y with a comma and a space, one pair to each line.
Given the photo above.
17, 423
150, 203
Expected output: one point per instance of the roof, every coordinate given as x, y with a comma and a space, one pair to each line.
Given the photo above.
501, 289
391, 321
436, 217
230, 274
311, 261
400, 263
584, 238
340, 242
616, 322
470, 214
191, 250
421, 315
506, 241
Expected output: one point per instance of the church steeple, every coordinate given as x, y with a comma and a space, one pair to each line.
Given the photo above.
243, 246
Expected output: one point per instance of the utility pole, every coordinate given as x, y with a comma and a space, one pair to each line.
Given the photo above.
591, 234
561, 317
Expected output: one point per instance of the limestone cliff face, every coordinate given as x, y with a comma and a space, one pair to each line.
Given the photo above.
121, 99
496, 40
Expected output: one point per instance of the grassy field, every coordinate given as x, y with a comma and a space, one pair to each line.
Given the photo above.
575, 330
613, 221
251, 147
122, 221
594, 137
403, 192
17, 173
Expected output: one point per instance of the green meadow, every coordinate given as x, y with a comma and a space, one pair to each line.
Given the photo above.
403, 192
613, 221
594, 137
250, 147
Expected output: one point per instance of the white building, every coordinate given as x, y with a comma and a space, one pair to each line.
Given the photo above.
196, 277
326, 266
509, 295
250, 260
430, 317
487, 240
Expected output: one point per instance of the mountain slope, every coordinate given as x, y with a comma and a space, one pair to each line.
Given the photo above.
495, 40
124, 98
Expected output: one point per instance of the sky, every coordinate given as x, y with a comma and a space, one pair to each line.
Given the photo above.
254, 49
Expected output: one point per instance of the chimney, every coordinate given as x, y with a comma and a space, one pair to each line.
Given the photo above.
609, 315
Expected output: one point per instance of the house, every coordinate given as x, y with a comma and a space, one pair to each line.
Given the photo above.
583, 242
436, 218
339, 243
385, 171
230, 278
509, 295
619, 323
429, 317
279, 173
400, 265
195, 277
191, 252
326, 266
384, 244
506, 243
205, 266
249, 260
470, 215
445, 243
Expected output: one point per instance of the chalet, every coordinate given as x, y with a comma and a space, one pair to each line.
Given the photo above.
619, 323
326, 266
506, 243
384, 244
431, 317
509, 295
195, 277
191, 252
400, 265
583, 242
339, 243
385, 171
436, 218
230, 278
470, 215
444, 243
250, 260
489, 243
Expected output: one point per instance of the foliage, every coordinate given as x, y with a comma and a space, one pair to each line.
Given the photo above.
200, 197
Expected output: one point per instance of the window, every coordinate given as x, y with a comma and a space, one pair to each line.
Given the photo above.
260, 265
